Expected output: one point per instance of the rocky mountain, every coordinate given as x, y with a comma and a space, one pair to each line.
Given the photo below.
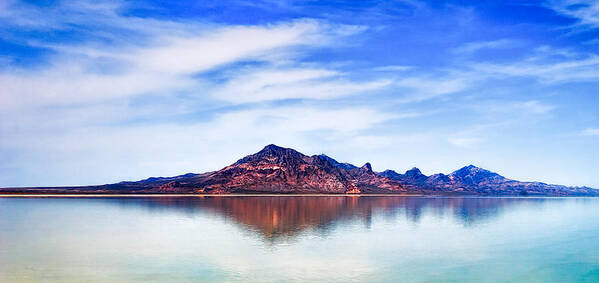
412, 177
277, 169
283, 170
473, 180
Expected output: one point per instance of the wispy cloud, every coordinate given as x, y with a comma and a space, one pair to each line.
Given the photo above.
419, 88
472, 47
392, 68
548, 65
533, 107
226, 45
79, 73
257, 85
585, 11
590, 132
464, 142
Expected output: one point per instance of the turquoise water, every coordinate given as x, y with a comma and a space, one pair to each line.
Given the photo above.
375, 239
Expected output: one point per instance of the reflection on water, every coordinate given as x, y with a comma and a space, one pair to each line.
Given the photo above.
299, 238
286, 216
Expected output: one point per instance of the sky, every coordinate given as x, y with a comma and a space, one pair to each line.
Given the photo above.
95, 92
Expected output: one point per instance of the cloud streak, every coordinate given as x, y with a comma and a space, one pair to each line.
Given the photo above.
93, 73
472, 47
276, 84
590, 132
585, 11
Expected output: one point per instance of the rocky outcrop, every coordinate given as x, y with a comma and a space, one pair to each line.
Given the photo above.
412, 177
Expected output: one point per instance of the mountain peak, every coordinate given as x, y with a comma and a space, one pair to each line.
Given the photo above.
276, 150
273, 147
367, 166
472, 175
413, 171
273, 153
469, 170
391, 174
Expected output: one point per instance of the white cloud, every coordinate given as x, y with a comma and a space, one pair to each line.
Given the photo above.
590, 132
73, 78
392, 68
534, 107
478, 45
586, 11
256, 85
546, 69
221, 46
547, 65
118, 56
64, 85
295, 119
515, 108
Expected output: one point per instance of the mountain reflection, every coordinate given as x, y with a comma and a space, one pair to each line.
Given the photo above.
283, 217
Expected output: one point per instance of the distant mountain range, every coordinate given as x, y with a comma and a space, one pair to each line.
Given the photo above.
282, 170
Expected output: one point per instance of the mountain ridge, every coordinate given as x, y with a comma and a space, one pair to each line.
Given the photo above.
281, 170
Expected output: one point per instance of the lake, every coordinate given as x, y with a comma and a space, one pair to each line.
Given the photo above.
299, 238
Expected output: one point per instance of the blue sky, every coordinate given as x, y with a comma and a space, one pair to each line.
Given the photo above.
97, 92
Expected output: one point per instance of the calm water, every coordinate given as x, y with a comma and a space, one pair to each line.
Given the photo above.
299, 238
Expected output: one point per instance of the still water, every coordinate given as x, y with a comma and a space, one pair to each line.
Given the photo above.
298, 238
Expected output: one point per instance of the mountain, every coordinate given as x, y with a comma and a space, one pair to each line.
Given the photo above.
412, 177
280, 170
283, 170
473, 180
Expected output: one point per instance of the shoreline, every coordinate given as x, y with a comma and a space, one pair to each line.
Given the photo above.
204, 195
20, 195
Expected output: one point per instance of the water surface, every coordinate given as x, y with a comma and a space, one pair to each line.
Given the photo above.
387, 239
